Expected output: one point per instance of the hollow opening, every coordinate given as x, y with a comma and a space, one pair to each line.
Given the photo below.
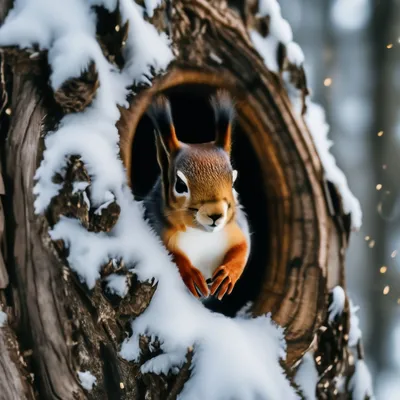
194, 123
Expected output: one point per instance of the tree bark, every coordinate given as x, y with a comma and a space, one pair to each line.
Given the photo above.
57, 326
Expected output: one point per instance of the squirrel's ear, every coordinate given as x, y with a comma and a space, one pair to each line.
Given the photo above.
224, 113
160, 113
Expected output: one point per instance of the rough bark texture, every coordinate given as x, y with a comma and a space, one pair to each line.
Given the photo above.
56, 326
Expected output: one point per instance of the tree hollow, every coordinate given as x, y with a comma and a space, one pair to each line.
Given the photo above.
277, 186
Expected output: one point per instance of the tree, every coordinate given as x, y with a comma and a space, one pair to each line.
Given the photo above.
60, 326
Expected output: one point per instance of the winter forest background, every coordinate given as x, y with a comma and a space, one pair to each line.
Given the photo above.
352, 52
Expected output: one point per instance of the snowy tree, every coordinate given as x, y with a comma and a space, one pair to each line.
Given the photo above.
91, 304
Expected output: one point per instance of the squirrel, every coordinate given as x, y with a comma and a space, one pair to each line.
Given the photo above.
193, 207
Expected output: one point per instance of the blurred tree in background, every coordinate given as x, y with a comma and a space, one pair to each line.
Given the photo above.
352, 50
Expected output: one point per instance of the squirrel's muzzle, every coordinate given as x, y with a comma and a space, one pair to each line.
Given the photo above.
213, 216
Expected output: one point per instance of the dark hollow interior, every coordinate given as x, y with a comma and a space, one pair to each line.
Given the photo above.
194, 123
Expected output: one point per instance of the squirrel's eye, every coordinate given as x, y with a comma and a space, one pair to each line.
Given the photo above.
180, 186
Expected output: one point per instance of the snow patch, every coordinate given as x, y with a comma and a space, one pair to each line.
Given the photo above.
307, 376
355, 331
164, 363
360, 383
109, 198
244, 312
141, 54
279, 32
79, 186
87, 380
3, 318
151, 5
267, 48
337, 305
278, 27
295, 54
117, 284
316, 122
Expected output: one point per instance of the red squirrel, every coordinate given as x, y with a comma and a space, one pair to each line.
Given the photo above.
194, 207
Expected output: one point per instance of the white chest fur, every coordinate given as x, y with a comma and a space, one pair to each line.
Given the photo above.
205, 250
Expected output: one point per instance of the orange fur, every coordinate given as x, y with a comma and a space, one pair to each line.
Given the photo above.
172, 141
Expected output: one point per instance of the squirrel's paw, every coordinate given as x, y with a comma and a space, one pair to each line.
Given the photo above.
195, 281
224, 280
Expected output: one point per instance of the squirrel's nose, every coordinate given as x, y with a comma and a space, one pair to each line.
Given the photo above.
215, 217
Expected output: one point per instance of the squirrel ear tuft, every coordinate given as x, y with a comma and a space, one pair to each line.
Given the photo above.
224, 113
161, 116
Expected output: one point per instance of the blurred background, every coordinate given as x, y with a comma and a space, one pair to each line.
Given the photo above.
352, 52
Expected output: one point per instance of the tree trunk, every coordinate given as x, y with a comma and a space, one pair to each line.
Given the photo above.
56, 326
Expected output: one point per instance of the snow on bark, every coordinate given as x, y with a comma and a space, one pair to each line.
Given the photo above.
337, 305
117, 284
355, 331
360, 383
295, 54
307, 376
151, 5
279, 32
319, 129
87, 380
267, 47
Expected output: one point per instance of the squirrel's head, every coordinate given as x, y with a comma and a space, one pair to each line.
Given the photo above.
197, 179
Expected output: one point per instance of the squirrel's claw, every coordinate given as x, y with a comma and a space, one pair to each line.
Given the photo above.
224, 282
194, 279
224, 288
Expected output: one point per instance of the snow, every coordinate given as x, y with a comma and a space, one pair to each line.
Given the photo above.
245, 312
269, 7
360, 383
79, 186
87, 380
154, 51
295, 54
237, 357
279, 32
86, 200
267, 48
355, 331
117, 284
151, 5
307, 376
337, 306
3, 318
316, 122
109, 198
